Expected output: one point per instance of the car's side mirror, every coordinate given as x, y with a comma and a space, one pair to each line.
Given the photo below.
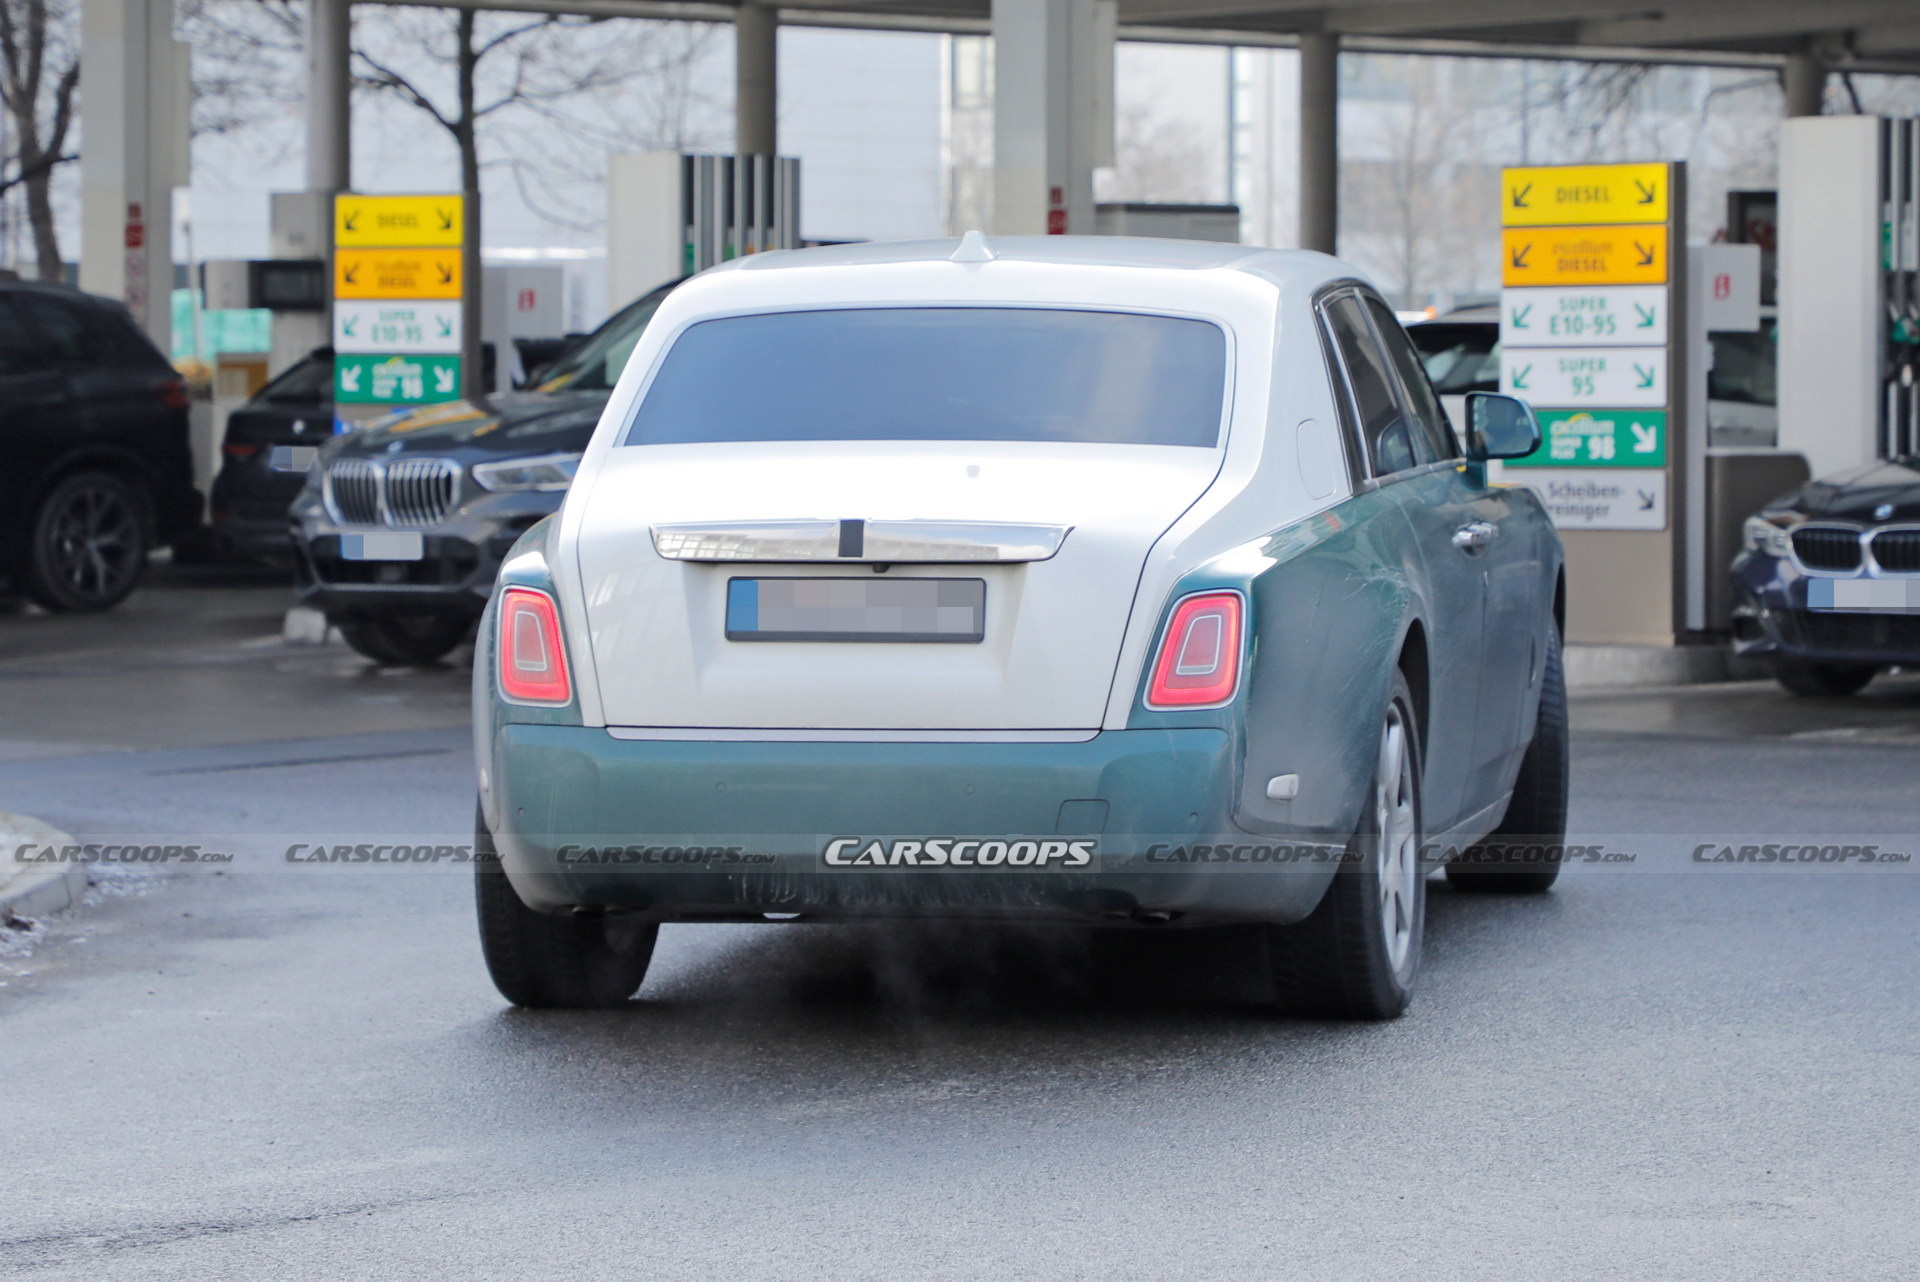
1500, 427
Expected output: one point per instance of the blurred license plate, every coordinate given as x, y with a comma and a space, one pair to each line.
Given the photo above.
292, 458
1865, 596
868, 609
382, 547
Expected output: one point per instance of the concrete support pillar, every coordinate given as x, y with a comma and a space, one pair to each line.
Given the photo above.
1319, 141
1052, 112
756, 79
133, 116
1805, 80
329, 86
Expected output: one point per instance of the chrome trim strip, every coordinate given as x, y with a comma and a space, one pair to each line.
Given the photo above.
884, 541
674, 734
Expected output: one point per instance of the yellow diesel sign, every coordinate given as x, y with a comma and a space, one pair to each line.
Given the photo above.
396, 273
1583, 256
402, 221
1570, 195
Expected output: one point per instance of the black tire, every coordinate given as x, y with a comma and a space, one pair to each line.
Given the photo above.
1342, 962
88, 544
1522, 856
1812, 680
546, 961
406, 640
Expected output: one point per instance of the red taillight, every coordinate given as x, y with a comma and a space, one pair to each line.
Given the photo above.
239, 449
1199, 659
533, 664
173, 393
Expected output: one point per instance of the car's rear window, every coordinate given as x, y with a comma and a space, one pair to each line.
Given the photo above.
939, 374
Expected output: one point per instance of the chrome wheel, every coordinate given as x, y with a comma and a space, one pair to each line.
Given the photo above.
1396, 833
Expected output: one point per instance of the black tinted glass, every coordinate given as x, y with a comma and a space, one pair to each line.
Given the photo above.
55, 334
1459, 358
1432, 436
310, 382
940, 374
1375, 403
1744, 368
595, 365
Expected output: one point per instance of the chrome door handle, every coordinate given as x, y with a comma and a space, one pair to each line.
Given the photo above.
1475, 534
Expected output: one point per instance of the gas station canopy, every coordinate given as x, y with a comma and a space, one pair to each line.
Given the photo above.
1868, 35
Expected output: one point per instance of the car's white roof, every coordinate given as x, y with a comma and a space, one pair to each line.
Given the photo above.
1287, 268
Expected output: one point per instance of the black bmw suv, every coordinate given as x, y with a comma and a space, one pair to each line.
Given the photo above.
1827, 586
401, 525
95, 466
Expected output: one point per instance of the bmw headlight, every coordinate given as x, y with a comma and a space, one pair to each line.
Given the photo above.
542, 472
1765, 533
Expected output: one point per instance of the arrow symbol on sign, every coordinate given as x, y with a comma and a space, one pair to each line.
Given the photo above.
1646, 500
1646, 316
1520, 315
446, 326
1520, 196
1645, 439
1646, 254
1646, 376
443, 381
350, 379
1647, 191
1520, 378
1520, 255
446, 274
348, 325
350, 273
351, 219
446, 220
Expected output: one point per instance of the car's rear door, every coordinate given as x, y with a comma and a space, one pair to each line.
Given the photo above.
37, 415
1401, 461
1498, 546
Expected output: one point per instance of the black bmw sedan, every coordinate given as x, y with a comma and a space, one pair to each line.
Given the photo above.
401, 525
1828, 584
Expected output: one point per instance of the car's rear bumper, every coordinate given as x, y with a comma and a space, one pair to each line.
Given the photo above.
726, 829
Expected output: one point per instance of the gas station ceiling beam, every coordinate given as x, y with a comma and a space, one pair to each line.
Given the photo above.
1241, 25
1744, 22
1886, 38
1447, 15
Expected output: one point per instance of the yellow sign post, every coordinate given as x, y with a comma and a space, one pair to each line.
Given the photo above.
1558, 195
390, 222
1624, 255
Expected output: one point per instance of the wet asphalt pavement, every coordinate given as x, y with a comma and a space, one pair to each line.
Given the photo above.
1663, 1069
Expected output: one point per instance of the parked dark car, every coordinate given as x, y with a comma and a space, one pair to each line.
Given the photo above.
402, 524
1828, 585
270, 445
96, 470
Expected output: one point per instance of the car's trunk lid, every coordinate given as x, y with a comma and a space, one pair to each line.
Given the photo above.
1052, 627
